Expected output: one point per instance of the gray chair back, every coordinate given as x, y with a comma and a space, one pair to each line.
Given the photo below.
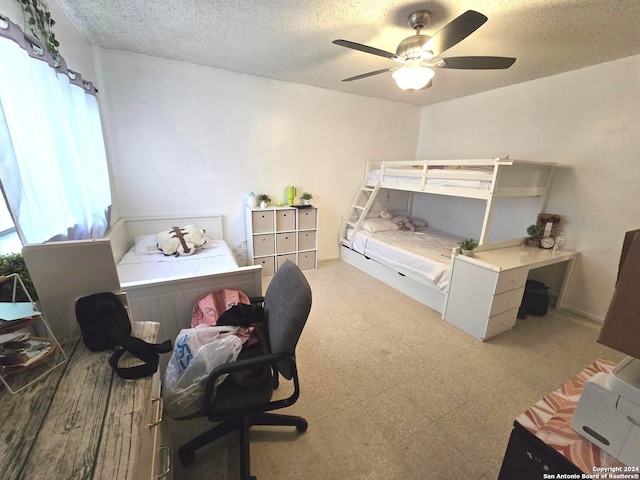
287, 304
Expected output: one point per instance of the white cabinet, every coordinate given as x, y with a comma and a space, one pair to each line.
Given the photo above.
278, 234
485, 291
484, 302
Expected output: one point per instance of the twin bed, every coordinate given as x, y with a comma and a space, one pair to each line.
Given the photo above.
165, 288
418, 263
158, 288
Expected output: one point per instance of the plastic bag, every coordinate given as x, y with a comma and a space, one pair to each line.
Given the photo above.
197, 351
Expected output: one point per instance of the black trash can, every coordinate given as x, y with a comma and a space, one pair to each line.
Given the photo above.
535, 300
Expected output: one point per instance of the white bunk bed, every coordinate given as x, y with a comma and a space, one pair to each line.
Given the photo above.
152, 295
482, 179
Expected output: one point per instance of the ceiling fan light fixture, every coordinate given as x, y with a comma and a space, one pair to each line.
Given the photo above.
413, 76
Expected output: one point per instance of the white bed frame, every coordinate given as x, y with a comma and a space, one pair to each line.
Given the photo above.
170, 301
508, 178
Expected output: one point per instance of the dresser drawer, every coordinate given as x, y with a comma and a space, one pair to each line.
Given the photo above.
307, 240
268, 265
263, 245
307, 260
262, 222
500, 323
306, 218
511, 279
285, 242
284, 258
285, 220
506, 301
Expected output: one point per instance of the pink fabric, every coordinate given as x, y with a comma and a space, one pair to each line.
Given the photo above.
208, 308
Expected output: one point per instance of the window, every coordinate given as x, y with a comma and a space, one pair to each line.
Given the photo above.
53, 167
9, 241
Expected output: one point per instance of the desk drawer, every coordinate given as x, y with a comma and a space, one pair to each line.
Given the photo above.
511, 279
506, 301
500, 323
149, 456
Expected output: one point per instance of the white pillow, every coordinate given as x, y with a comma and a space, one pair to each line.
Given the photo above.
374, 225
146, 245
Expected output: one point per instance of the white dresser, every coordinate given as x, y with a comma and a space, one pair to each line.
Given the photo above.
278, 234
485, 291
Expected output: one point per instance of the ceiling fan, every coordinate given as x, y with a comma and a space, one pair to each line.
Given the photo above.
420, 53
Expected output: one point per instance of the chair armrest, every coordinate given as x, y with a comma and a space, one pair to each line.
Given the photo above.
269, 359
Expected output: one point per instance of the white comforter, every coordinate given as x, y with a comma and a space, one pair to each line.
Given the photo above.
218, 257
425, 253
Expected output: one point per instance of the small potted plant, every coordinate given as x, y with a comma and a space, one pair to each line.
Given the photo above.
264, 200
467, 245
535, 233
306, 198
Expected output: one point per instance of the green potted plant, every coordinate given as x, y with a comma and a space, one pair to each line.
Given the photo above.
264, 200
14, 263
467, 245
535, 233
306, 198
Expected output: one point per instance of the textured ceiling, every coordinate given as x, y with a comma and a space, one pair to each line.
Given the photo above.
290, 40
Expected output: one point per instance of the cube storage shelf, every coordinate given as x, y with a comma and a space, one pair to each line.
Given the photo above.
28, 348
278, 234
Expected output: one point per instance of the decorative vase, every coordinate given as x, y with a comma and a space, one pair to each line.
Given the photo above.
263, 204
306, 201
467, 253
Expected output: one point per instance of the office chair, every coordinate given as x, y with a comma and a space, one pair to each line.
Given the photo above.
287, 304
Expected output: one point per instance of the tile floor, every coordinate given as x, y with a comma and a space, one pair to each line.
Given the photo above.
392, 391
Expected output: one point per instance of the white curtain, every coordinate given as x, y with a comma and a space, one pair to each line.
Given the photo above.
53, 166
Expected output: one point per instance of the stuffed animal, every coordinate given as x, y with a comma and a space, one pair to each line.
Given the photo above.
404, 223
181, 241
385, 214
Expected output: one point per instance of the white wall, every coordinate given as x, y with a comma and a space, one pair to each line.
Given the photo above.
588, 121
184, 138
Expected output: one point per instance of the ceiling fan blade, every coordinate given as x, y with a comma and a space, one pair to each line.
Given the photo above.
365, 75
455, 31
365, 49
478, 63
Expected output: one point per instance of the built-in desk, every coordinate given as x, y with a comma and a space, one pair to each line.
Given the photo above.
83, 421
485, 291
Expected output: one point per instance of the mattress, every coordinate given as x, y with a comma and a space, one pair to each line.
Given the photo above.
218, 257
476, 178
425, 253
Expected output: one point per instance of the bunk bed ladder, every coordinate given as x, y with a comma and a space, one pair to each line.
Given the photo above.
360, 208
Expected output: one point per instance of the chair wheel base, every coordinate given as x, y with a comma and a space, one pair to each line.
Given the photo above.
186, 457
302, 426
